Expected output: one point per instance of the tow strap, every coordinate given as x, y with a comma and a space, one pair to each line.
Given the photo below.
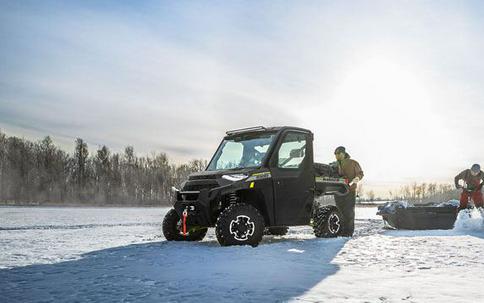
185, 215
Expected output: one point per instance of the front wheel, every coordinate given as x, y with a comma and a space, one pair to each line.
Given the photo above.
239, 224
327, 222
172, 229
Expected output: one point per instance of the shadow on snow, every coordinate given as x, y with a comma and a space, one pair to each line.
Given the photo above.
434, 233
177, 272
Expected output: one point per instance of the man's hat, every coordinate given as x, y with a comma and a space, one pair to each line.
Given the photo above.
476, 168
340, 149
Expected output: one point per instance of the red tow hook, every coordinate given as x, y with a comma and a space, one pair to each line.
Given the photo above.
185, 215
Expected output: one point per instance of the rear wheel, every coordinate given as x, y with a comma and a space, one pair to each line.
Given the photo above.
239, 224
173, 229
277, 231
327, 222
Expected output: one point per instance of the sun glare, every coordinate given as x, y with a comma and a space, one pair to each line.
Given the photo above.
384, 113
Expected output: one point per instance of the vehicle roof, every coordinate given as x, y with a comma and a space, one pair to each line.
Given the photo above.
277, 128
265, 129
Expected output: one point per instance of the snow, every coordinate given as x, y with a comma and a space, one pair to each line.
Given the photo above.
47, 235
469, 221
119, 255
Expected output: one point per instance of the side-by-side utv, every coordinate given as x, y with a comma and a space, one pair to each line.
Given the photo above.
260, 180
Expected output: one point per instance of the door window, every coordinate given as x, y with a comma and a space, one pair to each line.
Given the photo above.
292, 151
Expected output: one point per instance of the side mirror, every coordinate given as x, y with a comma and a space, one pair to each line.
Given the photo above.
296, 153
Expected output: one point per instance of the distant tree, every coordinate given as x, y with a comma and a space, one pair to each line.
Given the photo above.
116, 179
432, 189
3, 164
81, 155
371, 195
128, 176
102, 174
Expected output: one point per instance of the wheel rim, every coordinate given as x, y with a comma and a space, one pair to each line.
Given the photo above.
334, 223
242, 228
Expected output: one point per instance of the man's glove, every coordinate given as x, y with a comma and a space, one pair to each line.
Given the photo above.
354, 183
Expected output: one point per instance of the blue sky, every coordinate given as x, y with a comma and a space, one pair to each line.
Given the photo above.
399, 83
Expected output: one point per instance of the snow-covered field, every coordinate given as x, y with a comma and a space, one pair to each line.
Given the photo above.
119, 255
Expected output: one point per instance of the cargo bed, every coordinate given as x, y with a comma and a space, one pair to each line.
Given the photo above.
330, 186
328, 182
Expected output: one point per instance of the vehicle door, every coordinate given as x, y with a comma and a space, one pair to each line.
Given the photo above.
293, 178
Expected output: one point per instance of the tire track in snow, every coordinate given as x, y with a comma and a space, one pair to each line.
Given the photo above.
79, 226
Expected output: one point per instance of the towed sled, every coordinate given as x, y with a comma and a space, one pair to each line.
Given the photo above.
401, 215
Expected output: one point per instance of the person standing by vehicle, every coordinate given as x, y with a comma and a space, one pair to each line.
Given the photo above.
350, 170
473, 187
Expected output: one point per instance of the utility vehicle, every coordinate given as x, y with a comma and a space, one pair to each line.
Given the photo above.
259, 181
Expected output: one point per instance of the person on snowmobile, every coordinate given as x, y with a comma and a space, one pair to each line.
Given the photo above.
350, 170
472, 179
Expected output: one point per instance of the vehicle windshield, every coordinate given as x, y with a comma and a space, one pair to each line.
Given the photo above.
246, 150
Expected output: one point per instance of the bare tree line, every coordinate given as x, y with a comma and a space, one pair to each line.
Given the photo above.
40, 172
425, 193
417, 193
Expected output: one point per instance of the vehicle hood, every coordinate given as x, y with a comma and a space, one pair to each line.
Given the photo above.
219, 173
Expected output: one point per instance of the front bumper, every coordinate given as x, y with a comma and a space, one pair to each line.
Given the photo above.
197, 204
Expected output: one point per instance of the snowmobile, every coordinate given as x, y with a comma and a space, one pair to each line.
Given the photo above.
260, 180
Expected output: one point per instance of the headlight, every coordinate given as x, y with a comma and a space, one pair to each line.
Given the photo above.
234, 178
174, 189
